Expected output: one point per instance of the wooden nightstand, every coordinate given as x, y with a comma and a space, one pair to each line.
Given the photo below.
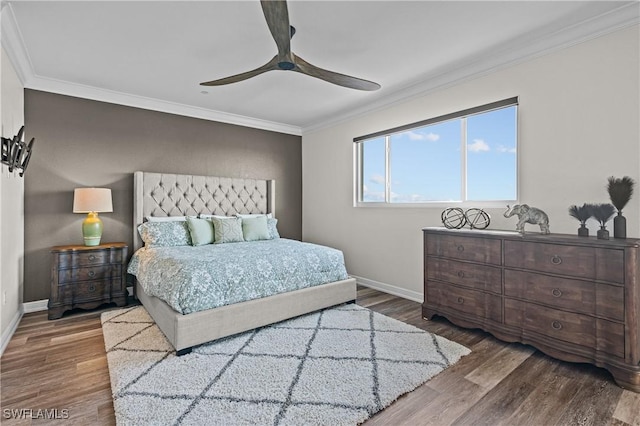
86, 277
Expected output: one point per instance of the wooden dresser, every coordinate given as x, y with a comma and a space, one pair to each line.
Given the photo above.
86, 277
574, 298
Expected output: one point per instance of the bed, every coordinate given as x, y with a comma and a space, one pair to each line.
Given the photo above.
163, 196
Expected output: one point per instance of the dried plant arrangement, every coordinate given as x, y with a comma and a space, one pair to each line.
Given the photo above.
582, 213
602, 213
620, 191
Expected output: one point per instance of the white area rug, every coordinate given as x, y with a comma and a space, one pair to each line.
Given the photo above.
334, 367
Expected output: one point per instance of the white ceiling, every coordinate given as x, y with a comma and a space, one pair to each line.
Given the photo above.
154, 54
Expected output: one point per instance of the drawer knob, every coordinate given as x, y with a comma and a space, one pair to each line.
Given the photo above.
460, 248
92, 288
92, 257
556, 292
460, 300
556, 260
556, 325
461, 274
92, 273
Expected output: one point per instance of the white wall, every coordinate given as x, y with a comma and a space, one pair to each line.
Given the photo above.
11, 206
578, 124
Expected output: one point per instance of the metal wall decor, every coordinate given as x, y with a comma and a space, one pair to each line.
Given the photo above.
15, 153
456, 218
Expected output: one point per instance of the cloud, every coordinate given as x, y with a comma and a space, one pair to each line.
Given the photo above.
478, 145
379, 179
415, 136
510, 150
372, 196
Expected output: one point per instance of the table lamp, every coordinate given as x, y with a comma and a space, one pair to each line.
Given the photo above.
92, 201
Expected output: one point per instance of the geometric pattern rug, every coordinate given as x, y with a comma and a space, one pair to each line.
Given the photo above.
338, 366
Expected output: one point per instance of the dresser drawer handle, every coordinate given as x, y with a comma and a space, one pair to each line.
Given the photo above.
92, 288
461, 274
460, 248
92, 274
556, 325
92, 257
556, 260
460, 300
556, 292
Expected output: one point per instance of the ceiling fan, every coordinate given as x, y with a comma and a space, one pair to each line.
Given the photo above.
277, 16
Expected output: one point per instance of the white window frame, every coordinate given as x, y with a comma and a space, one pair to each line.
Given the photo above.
460, 115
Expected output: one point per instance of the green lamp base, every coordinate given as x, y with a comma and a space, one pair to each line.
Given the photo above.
92, 229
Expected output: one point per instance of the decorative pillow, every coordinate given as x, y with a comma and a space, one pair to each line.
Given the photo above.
244, 216
227, 230
210, 216
201, 231
166, 218
255, 228
165, 234
273, 229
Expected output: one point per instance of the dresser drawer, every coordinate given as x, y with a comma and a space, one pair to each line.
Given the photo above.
69, 259
584, 297
578, 261
476, 303
471, 275
89, 273
579, 329
484, 250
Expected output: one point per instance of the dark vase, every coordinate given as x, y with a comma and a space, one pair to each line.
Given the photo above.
603, 234
583, 231
619, 226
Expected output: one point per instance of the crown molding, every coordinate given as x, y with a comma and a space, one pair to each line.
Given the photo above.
120, 98
515, 52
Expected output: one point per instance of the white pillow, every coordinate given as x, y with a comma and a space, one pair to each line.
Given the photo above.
210, 216
166, 218
242, 216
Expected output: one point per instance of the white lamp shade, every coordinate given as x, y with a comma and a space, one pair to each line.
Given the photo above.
86, 200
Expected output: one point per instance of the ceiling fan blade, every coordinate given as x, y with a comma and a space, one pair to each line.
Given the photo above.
305, 67
269, 66
277, 16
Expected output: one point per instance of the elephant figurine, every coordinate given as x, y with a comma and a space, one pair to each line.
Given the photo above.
528, 214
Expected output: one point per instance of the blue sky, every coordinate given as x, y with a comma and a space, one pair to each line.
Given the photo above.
425, 163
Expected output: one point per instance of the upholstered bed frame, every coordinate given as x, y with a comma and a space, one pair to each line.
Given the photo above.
162, 194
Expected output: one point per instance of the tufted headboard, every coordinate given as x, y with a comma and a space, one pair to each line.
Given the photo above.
163, 194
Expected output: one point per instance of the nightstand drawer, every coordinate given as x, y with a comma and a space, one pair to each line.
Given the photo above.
585, 297
89, 273
87, 291
98, 257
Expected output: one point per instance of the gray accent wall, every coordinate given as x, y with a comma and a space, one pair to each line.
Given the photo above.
81, 143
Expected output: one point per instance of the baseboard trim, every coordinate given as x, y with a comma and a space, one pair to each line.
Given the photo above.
35, 306
388, 288
8, 333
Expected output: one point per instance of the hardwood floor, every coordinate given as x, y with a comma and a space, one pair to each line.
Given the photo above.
61, 366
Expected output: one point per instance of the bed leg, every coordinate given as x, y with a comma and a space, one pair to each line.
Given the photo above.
184, 351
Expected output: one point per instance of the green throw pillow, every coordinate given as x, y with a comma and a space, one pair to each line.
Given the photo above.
227, 230
255, 228
201, 231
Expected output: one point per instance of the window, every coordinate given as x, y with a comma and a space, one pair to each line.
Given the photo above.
468, 156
